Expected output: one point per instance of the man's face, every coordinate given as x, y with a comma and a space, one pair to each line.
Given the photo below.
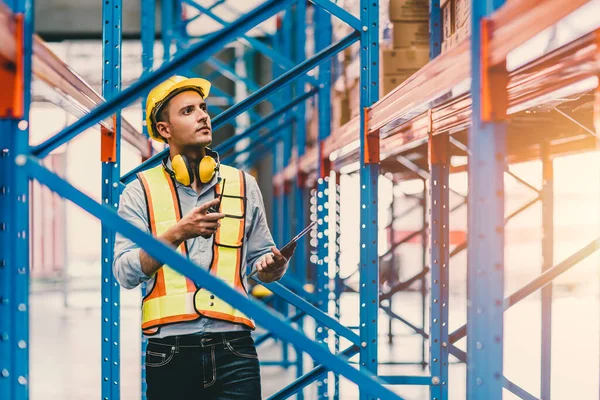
188, 124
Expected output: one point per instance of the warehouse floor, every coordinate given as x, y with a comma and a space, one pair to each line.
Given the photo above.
65, 348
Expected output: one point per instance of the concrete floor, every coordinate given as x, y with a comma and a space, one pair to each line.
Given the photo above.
65, 348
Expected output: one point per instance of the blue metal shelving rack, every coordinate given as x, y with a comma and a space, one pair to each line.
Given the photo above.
488, 48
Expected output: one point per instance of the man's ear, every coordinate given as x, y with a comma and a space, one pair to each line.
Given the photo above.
163, 130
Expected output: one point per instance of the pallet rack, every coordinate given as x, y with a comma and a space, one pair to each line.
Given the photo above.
413, 130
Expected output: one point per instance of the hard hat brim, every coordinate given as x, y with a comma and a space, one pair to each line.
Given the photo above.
192, 84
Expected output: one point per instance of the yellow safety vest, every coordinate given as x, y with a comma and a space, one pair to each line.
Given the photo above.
174, 298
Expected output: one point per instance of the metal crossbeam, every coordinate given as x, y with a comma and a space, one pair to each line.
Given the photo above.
339, 12
186, 59
309, 377
160, 251
272, 87
227, 144
539, 282
256, 44
320, 316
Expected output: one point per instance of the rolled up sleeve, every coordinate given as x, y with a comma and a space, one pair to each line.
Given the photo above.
126, 265
260, 239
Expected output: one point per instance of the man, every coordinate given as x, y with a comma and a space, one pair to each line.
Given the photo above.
199, 347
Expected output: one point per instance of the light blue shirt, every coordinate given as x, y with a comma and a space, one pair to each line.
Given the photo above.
127, 268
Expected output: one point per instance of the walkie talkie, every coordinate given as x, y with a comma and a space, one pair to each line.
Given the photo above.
216, 207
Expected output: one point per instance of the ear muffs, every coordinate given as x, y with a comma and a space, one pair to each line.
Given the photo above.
207, 169
183, 172
181, 169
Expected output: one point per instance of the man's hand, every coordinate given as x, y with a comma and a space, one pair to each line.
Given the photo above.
200, 222
272, 266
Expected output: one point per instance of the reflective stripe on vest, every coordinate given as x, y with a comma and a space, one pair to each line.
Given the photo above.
173, 297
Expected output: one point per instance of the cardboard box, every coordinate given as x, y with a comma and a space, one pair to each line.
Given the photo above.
409, 10
396, 61
462, 13
408, 34
390, 82
447, 20
458, 36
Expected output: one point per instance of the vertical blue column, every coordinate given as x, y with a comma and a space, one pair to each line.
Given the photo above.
299, 189
369, 175
435, 29
424, 264
148, 33
435, 48
287, 49
166, 23
439, 244
339, 284
485, 258
322, 40
111, 75
14, 212
547, 262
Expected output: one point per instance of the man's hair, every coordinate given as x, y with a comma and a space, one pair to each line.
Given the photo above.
163, 113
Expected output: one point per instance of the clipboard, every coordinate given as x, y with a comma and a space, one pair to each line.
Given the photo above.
290, 244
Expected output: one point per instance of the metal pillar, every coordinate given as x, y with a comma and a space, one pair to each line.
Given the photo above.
393, 261
322, 40
166, 25
14, 211
369, 175
148, 10
424, 263
287, 44
110, 154
339, 284
547, 196
485, 259
300, 219
439, 243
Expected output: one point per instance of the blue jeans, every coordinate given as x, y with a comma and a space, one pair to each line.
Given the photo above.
220, 366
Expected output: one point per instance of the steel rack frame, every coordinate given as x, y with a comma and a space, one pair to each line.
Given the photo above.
436, 103
22, 164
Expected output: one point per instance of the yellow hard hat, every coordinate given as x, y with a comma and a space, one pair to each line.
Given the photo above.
167, 90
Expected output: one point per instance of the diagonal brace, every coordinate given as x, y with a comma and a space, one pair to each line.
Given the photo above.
309, 377
195, 53
179, 263
339, 12
541, 281
312, 311
272, 87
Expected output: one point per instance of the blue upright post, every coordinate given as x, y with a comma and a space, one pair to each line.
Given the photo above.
299, 189
339, 284
369, 175
424, 264
322, 40
14, 211
547, 262
439, 243
485, 258
279, 201
148, 32
110, 155
166, 24
435, 48
435, 29
287, 43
